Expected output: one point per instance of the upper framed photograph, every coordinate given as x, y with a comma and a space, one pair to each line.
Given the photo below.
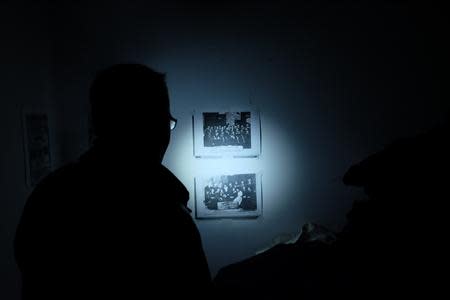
232, 133
228, 196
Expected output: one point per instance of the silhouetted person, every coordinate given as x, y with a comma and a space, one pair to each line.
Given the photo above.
115, 223
393, 244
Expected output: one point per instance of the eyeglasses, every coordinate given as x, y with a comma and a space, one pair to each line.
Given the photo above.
172, 123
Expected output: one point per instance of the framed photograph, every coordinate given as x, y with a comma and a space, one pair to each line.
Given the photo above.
233, 133
36, 145
228, 196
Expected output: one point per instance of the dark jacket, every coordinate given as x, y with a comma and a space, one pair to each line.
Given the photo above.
107, 227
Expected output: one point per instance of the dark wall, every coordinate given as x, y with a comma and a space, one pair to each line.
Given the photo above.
335, 81
25, 83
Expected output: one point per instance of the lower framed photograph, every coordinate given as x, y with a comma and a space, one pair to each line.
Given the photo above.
228, 196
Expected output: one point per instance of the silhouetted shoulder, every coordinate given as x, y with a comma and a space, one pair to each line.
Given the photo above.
58, 180
40, 210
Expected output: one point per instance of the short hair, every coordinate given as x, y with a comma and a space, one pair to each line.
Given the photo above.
123, 92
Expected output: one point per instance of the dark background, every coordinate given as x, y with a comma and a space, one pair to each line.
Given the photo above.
335, 81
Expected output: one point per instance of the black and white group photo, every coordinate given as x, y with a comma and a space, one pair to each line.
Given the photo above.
228, 195
227, 129
233, 132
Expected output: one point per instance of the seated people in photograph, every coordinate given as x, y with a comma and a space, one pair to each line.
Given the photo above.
248, 199
211, 199
114, 223
230, 193
238, 200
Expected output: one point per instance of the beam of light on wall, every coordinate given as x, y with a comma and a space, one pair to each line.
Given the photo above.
206, 80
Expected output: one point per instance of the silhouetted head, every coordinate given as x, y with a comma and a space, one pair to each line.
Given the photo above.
130, 110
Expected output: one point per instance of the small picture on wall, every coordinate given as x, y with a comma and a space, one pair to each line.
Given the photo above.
37, 145
228, 133
221, 196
